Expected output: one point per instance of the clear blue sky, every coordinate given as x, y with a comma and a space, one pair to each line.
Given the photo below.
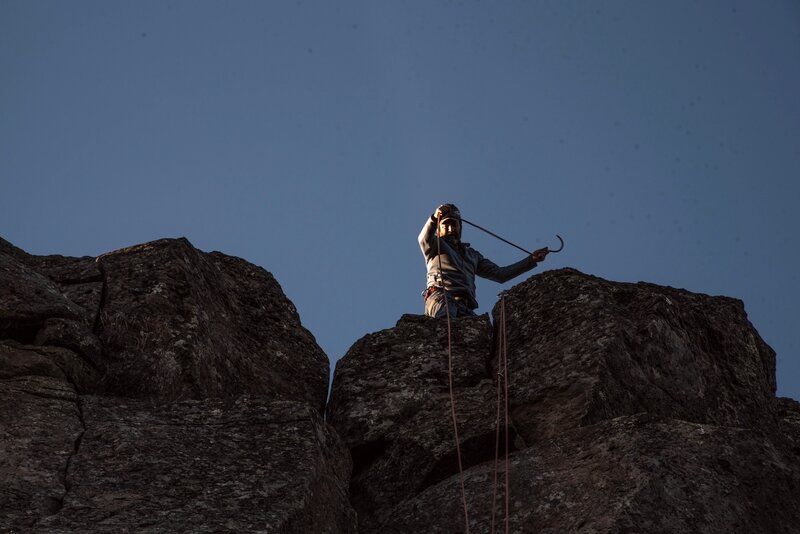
660, 139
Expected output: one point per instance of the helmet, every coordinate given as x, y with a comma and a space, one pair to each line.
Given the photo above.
449, 211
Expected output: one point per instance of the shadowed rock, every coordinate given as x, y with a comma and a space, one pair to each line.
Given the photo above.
27, 299
789, 413
164, 320
19, 360
631, 474
79, 279
205, 466
76, 279
40, 424
179, 323
391, 403
634, 408
161, 321
583, 349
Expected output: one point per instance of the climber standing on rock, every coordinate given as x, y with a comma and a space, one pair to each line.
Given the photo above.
452, 265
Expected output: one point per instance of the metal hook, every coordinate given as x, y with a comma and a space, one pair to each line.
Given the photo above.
559, 248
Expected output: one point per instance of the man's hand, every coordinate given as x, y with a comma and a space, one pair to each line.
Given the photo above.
540, 255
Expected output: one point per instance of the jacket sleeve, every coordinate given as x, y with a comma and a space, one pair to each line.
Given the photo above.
427, 238
491, 271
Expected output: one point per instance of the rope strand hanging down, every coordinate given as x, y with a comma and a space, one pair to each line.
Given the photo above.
502, 386
450, 380
502, 391
505, 395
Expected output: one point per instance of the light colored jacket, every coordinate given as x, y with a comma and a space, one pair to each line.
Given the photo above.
461, 263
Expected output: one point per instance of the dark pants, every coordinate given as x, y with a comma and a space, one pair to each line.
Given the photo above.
434, 306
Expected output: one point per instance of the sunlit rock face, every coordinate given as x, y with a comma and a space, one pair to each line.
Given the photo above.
161, 388
633, 408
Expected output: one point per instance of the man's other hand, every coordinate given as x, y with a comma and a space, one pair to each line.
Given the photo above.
540, 255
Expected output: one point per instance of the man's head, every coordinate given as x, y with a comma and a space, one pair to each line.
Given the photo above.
449, 222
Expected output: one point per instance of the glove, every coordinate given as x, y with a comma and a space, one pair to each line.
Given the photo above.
444, 210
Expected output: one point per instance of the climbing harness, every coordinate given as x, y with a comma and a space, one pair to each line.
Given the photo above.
502, 384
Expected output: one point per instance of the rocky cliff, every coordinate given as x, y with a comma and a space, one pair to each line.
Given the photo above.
633, 408
160, 388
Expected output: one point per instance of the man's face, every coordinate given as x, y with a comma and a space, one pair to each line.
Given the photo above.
450, 228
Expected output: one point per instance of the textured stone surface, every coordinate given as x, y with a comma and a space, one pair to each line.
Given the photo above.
40, 426
391, 403
631, 474
635, 408
36, 309
179, 323
19, 360
27, 299
78, 279
789, 413
73, 335
9, 249
205, 466
583, 349
166, 322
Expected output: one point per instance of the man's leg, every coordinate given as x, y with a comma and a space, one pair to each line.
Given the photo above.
462, 310
434, 306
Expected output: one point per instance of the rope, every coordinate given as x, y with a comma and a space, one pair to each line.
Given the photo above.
505, 394
496, 442
450, 379
502, 365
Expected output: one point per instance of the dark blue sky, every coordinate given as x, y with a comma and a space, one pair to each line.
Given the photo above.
660, 139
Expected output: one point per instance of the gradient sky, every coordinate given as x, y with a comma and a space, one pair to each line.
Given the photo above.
660, 139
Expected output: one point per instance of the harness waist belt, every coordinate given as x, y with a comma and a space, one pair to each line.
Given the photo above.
433, 289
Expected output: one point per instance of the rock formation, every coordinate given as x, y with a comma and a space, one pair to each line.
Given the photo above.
179, 323
161, 388
633, 408
390, 403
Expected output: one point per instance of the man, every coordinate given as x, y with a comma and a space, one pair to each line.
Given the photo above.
455, 267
